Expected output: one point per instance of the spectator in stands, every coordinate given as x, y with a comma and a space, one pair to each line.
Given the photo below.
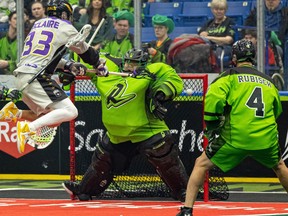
219, 30
122, 40
27, 23
95, 12
133, 113
8, 46
119, 5
241, 108
79, 9
38, 11
156, 1
276, 18
6, 7
274, 58
158, 49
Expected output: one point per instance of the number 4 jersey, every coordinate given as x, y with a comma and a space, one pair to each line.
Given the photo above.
250, 103
46, 37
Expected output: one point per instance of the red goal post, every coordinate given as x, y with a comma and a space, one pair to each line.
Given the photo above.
195, 88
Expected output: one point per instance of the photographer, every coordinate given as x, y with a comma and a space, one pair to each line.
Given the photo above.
158, 49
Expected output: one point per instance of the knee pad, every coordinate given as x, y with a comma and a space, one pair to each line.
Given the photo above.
164, 156
99, 175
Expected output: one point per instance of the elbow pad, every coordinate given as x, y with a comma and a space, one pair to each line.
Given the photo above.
91, 56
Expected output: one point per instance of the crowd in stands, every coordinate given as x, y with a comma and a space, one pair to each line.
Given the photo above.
220, 28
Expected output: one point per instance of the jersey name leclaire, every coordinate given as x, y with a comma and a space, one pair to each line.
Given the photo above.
47, 23
255, 79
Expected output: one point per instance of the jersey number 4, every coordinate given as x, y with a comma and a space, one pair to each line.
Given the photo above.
255, 101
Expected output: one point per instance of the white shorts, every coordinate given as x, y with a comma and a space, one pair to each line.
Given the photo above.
41, 93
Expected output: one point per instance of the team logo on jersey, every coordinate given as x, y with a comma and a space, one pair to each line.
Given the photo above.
57, 93
116, 96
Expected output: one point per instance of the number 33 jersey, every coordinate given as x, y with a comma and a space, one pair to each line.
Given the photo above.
250, 103
46, 37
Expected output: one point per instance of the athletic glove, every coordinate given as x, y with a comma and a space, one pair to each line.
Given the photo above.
13, 94
76, 68
3, 92
156, 105
213, 129
101, 68
66, 78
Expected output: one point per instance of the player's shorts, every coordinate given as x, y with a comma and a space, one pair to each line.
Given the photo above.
226, 157
42, 92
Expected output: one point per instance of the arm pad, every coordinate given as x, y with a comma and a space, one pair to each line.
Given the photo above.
91, 56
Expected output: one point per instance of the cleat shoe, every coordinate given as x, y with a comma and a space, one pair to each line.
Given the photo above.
73, 188
9, 112
185, 212
23, 135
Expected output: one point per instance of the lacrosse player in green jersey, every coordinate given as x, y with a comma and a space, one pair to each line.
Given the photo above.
241, 108
133, 113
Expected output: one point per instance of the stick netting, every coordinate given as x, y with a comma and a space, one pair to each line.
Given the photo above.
141, 180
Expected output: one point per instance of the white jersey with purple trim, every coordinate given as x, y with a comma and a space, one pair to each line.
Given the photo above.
45, 38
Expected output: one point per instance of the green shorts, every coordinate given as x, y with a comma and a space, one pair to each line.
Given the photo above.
226, 157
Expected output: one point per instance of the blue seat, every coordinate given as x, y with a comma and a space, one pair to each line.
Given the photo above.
195, 13
4, 27
148, 34
169, 9
238, 11
145, 9
183, 30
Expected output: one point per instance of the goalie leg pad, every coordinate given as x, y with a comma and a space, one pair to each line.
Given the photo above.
99, 174
164, 157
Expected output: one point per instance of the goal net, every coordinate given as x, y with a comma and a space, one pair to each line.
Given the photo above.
185, 120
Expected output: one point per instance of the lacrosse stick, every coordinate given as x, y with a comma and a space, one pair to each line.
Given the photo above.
80, 37
43, 137
96, 31
114, 73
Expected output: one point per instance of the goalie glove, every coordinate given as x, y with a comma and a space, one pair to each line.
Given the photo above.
66, 78
213, 129
101, 68
76, 68
156, 105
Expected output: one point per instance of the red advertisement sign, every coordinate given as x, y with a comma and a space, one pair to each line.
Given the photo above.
8, 140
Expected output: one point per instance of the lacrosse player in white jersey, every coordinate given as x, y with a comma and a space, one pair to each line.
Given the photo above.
44, 97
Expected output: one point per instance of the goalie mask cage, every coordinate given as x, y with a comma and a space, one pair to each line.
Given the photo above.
140, 179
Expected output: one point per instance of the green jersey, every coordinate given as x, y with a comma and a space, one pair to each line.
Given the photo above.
250, 103
9, 53
117, 47
125, 111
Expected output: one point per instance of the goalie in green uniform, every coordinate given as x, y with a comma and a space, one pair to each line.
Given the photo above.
143, 131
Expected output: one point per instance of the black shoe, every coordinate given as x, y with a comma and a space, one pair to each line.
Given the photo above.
185, 212
73, 188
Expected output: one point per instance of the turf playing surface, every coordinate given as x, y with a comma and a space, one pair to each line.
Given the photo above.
27, 207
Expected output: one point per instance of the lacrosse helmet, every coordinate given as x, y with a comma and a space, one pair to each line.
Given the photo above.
244, 50
57, 7
136, 55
